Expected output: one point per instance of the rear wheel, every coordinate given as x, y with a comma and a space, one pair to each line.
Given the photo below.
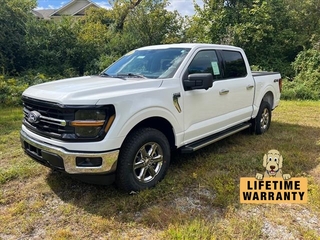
263, 119
143, 161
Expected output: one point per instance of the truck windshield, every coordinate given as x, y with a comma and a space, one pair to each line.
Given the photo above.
151, 63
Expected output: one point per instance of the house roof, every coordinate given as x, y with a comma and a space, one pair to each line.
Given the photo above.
83, 10
44, 13
73, 8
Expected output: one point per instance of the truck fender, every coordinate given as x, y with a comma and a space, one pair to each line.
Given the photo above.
148, 113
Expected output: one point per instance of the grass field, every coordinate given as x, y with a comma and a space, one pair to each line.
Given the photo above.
198, 199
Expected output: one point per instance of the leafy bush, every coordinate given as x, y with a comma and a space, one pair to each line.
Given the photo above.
11, 88
306, 84
293, 90
10, 91
105, 61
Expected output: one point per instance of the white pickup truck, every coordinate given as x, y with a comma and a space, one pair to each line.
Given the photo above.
123, 124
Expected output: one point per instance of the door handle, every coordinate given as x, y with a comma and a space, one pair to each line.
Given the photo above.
223, 91
249, 87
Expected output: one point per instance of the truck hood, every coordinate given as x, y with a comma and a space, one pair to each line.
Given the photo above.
88, 90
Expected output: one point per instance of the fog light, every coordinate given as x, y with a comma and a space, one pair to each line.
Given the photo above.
88, 161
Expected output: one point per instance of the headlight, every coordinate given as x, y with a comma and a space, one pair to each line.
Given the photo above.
91, 123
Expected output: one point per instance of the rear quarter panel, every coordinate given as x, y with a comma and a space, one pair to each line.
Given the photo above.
267, 88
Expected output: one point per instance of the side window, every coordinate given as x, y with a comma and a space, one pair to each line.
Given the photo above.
205, 62
234, 65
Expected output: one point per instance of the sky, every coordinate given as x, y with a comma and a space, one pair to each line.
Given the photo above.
185, 7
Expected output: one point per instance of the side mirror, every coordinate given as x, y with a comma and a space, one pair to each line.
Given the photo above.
198, 81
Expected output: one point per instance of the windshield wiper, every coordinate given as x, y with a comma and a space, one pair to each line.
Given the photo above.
103, 74
130, 75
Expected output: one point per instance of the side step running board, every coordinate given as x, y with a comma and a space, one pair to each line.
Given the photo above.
191, 147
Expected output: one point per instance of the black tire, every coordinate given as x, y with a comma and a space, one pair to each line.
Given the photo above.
143, 161
263, 119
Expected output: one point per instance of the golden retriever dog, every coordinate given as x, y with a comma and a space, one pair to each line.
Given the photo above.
272, 161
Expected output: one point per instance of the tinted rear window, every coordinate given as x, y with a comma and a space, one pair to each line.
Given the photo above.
234, 66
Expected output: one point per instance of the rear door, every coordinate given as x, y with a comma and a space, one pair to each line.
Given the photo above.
237, 87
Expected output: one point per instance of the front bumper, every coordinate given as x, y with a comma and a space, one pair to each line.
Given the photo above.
61, 159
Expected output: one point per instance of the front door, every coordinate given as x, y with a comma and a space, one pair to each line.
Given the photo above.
227, 103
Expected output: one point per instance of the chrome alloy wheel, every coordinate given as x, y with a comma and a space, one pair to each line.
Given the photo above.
264, 122
148, 162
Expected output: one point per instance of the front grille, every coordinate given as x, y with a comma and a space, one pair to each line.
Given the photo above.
52, 121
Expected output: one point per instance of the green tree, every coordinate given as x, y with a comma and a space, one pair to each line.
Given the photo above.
14, 14
306, 83
52, 45
150, 23
261, 27
305, 21
93, 37
70, 46
121, 9
265, 34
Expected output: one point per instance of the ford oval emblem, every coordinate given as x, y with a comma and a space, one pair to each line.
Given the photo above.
34, 117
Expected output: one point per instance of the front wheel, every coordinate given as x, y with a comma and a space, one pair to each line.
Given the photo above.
143, 161
263, 119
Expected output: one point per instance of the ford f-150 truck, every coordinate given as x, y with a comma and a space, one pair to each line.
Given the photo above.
123, 124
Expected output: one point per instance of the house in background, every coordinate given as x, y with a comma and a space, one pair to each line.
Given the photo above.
75, 8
